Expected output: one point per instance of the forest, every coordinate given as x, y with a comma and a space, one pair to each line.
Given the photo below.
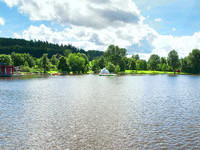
37, 56
38, 48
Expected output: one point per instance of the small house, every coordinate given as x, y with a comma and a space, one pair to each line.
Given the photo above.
6, 70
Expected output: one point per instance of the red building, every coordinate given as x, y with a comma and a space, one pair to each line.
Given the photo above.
6, 70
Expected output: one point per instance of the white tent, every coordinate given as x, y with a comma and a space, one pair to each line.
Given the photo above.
104, 71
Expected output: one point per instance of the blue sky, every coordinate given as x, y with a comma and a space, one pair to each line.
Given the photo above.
141, 26
180, 14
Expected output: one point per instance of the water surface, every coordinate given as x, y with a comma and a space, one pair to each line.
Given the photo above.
92, 112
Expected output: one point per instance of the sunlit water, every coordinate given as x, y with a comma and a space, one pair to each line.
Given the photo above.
92, 112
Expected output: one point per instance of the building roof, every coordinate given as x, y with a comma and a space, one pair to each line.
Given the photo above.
2, 64
104, 71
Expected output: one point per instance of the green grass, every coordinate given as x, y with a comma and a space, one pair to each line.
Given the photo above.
90, 71
150, 72
52, 72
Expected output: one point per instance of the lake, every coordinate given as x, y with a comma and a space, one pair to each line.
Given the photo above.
92, 112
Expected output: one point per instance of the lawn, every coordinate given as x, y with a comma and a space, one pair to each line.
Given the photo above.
149, 72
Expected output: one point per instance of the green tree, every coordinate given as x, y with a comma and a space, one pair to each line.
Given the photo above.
154, 61
136, 57
110, 67
29, 60
67, 52
12, 57
127, 62
95, 66
86, 58
164, 67
5, 59
122, 64
86, 68
115, 55
26, 64
185, 66
45, 64
132, 64
117, 69
101, 62
173, 60
142, 65
194, 61
163, 61
54, 60
76, 62
63, 65
19, 60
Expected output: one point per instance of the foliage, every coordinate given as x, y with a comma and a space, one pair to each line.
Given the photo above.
18, 59
194, 61
76, 62
173, 60
45, 64
122, 64
86, 68
136, 57
117, 69
132, 64
86, 58
101, 62
163, 61
110, 67
185, 65
154, 61
5, 59
92, 54
63, 65
95, 66
115, 55
67, 52
164, 67
38, 48
142, 65
114, 59
54, 60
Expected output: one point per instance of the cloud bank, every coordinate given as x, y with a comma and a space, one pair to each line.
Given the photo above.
90, 24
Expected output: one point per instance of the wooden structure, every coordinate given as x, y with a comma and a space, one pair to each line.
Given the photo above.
6, 71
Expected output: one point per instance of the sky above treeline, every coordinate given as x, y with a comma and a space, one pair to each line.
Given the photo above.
141, 26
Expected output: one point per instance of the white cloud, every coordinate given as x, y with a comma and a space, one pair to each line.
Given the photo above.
95, 24
88, 13
88, 38
158, 20
163, 44
173, 29
149, 7
2, 21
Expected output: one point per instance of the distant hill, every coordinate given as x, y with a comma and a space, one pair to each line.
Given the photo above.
38, 48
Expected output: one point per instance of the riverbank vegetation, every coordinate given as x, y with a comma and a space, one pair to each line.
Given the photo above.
68, 59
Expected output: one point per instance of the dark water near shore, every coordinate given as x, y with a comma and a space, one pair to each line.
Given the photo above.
92, 112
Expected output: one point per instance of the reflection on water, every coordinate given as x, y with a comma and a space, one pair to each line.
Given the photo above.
92, 112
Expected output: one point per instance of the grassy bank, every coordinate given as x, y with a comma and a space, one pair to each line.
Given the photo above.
38, 71
150, 72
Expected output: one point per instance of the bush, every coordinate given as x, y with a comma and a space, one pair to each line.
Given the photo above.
117, 69
110, 67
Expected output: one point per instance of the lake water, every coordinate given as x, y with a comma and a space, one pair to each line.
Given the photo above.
92, 112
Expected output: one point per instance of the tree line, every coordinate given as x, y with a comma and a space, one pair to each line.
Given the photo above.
70, 62
38, 48
114, 59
